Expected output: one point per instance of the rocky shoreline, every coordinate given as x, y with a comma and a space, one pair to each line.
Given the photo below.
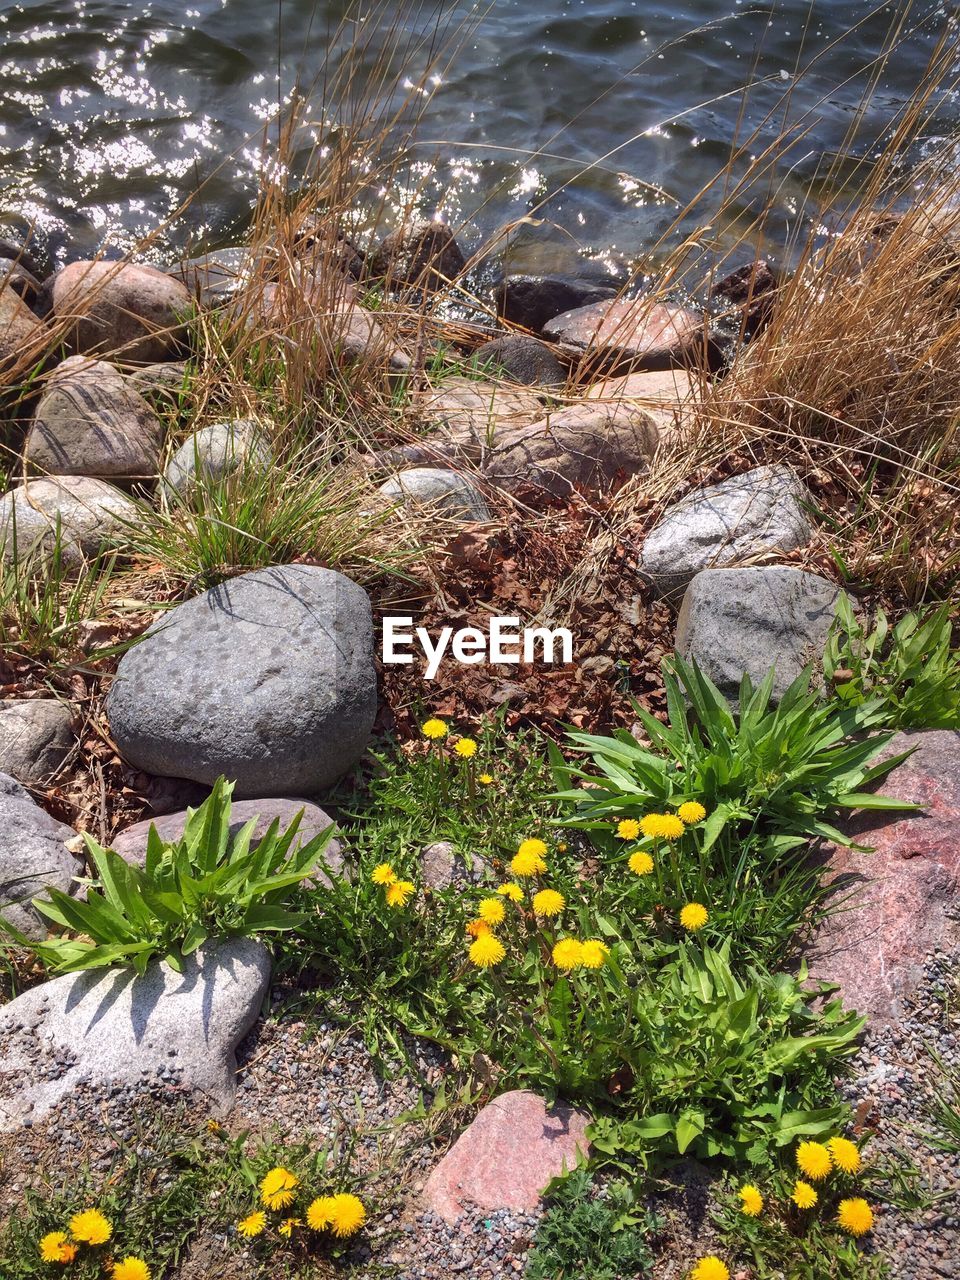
567, 397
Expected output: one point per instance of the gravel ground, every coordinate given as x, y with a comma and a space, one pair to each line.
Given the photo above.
894, 1085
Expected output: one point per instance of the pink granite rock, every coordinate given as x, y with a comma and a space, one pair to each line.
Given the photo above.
126, 307
874, 947
507, 1156
632, 332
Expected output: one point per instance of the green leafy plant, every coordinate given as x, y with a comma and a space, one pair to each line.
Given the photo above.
591, 1233
723, 1066
782, 769
911, 668
207, 884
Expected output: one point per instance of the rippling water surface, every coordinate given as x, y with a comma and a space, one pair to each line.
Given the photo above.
112, 113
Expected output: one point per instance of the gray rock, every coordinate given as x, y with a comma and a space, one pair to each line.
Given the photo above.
131, 844
421, 253
91, 422
36, 736
587, 448
268, 679
533, 300
218, 450
113, 1026
744, 518
22, 335
445, 491
120, 307
525, 360
160, 382
33, 857
471, 415
442, 865
734, 621
214, 278
90, 514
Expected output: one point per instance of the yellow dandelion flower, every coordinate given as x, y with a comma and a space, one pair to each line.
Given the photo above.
130, 1269
511, 891
288, 1225
485, 779
318, 1213
90, 1227
641, 864
252, 1225
347, 1215
435, 729
55, 1246
803, 1195
466, 748
694, 916
844, 1154
529, 859
691, 813
491, 911
568, 954
710, 1268
548, 903
855, 1216
383, 873
278, 1187
662, 826
813, 1159
751, 1201
478, 928
486, 951
399, 892
628, 828
595, 953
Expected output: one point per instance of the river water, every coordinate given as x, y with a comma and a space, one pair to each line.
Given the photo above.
604, 117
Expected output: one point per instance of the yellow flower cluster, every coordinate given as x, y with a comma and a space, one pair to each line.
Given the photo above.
816, 1161
466, 748
342, 1214
89, 1227
662, 826
530, 859
570, 953
397, 893
435, 729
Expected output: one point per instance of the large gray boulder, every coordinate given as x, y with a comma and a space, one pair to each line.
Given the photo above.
36, 736
124, 307
33, 857
90, 514
91, 422
470, 415
736, 621
744, 518
216, 451
131, 844
110, 1026
268, 679
444, 491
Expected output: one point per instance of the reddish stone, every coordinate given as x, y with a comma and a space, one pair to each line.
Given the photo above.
507, 1156
631, 332
899, 895
130, 308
